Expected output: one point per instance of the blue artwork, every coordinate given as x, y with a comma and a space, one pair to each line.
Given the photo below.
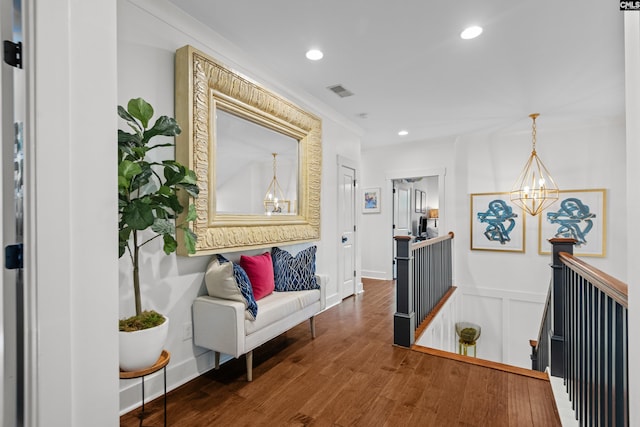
500, 221
370, 200
574, 220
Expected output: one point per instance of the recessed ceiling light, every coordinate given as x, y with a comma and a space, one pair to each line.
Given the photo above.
403, 133
471, 32
314, 54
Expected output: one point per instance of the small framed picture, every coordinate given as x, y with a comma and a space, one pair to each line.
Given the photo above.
580, 215
371, 200
496, 223
418, 201
424, 203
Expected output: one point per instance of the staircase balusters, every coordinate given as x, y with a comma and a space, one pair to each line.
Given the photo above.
589, 338
424, 275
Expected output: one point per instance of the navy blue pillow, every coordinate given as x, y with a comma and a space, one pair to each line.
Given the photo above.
245, 286
295, 273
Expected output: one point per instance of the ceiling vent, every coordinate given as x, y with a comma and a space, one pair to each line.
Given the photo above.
340, 90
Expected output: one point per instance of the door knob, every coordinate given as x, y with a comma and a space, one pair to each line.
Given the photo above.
344, 239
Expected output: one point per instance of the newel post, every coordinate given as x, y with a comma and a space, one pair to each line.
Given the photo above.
404, 322
558, 305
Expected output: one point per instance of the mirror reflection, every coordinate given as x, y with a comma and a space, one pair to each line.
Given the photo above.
256, 168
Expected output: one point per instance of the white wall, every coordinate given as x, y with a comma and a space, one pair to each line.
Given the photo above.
497, 288
379, 167
149, 32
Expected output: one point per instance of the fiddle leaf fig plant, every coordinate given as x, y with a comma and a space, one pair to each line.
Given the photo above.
148, 190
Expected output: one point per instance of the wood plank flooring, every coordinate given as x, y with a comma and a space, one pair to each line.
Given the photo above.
352, 375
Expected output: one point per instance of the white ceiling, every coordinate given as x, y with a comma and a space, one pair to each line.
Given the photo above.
409, 69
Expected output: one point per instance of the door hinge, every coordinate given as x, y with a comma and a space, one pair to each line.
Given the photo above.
354, 182
13, 53
354, 228
13, 256
354, 273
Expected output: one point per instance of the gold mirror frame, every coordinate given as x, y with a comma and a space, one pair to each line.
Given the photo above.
203, 85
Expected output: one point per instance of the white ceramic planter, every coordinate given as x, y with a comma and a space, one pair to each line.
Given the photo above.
141, 349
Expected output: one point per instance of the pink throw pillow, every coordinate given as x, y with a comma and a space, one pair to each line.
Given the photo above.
259, 268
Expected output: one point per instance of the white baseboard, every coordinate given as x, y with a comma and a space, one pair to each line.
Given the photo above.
371, 274
565, 409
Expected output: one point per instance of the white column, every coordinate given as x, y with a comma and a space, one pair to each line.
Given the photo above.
73, 271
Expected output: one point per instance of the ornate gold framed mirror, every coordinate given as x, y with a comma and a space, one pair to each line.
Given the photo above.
239, 138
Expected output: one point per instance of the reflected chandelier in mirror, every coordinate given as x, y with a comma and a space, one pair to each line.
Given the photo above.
209, 96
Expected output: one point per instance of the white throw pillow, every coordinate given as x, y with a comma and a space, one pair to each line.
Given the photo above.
221, 282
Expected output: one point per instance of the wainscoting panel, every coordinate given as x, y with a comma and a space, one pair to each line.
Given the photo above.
508, 320
487, 312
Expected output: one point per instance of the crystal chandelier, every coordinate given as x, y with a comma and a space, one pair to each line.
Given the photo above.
535, 189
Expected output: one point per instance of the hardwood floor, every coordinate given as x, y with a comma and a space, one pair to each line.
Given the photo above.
351, 374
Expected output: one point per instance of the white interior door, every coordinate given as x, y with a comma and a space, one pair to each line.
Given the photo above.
347, 227
401, 209
401, 214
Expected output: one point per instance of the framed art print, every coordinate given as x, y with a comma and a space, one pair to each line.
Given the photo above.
418, 201
496, 223
580, 215
371, 200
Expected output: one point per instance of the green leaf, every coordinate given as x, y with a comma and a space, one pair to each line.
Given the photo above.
165, 126
142, 178
141, 110
128, 169
125, 115
190, 177
170, 244
124, 151
123, 183
138, 215
124, 234
128, 138
168, 202
163, 226
165, 190
190, 240
192, 215
139, 152
192, 190
173, 173
123, 240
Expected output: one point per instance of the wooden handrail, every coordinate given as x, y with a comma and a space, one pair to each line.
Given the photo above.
611, 286
433, 241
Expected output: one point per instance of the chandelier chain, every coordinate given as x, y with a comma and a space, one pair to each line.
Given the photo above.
533, 130
274, 164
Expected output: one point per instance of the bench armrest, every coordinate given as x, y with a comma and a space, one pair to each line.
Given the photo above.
218, 325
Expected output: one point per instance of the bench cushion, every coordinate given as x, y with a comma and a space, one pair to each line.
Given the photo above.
279, 305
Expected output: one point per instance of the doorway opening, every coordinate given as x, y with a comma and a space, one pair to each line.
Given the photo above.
414, 198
